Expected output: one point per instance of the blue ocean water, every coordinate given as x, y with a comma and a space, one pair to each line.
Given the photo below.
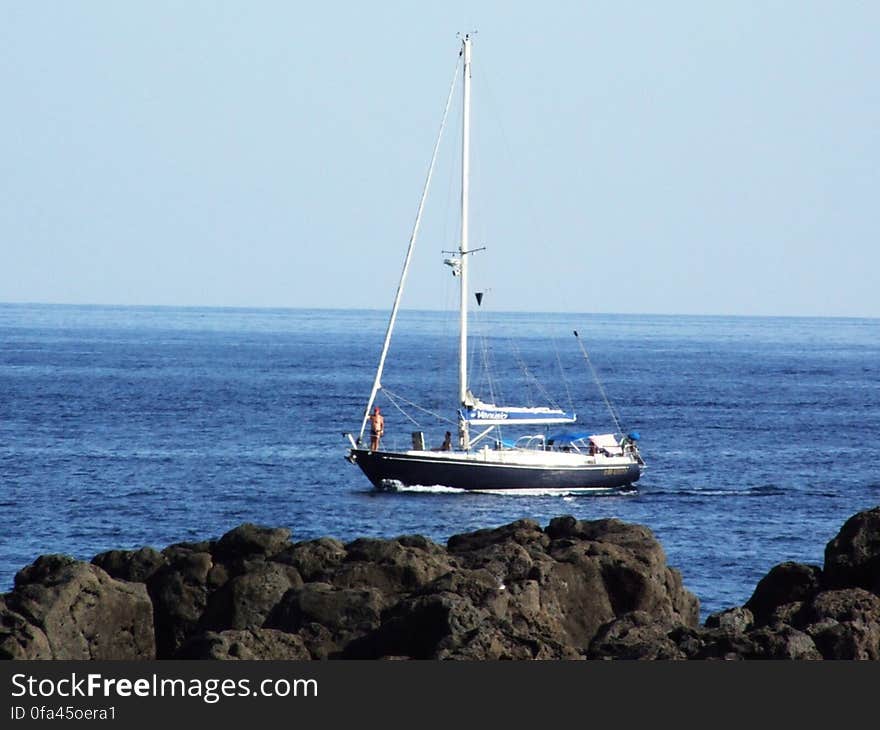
128, 426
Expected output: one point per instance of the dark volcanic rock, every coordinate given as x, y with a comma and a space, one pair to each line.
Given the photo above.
420, 627
804, 612
267, 644
465, 614
250, 540
522, 532
179, 591
344, 614
845, 623
785, 583
131, 565
606, 569
244, 602
737, 619
852, 558
521, 592
339, 609
636, 635
577, 589
315, 560
394, 567
573, 601
72, 610
20, 639
784, 642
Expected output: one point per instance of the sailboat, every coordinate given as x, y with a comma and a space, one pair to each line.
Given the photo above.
571, 460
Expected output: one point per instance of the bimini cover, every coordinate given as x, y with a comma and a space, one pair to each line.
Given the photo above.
607, 442
488, 414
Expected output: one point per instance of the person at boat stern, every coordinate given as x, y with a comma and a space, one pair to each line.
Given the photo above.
377, 428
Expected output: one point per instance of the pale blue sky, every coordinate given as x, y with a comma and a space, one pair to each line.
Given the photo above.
677, 157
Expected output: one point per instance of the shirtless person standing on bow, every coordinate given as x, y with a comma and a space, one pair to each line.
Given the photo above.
377, 428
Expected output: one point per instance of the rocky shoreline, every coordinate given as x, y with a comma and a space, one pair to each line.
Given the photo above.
570, 590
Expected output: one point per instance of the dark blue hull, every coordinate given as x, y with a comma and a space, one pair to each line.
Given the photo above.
384, 468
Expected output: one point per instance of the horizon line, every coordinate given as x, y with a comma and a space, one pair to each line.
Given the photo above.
231, 307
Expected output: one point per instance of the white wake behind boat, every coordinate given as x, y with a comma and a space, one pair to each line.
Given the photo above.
569, 461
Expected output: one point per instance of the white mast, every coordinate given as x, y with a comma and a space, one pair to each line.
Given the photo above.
463, 246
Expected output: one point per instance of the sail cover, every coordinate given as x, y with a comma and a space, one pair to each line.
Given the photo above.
489, 414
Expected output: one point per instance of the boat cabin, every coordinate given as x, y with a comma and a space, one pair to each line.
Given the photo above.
580, 443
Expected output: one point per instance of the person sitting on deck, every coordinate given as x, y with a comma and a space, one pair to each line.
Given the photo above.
447, 442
